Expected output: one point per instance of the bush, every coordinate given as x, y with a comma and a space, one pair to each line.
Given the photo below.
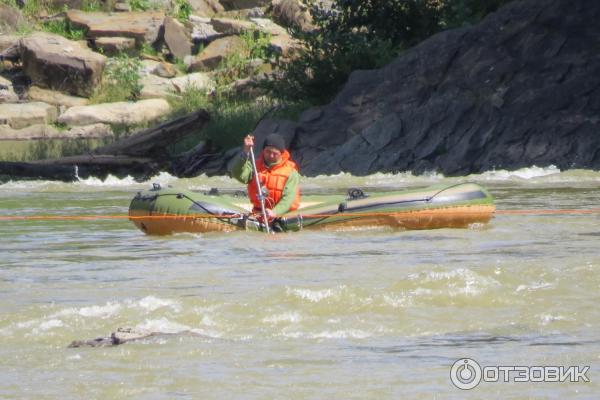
120, 81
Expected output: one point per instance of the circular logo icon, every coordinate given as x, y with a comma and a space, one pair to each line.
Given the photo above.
465, 374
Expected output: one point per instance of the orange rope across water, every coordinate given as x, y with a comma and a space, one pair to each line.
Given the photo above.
365, 214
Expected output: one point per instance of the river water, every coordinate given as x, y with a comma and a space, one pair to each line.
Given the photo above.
323, 315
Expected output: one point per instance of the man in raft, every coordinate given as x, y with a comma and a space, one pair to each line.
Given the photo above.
277, 173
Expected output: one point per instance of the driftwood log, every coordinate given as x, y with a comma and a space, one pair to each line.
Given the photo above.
141, 155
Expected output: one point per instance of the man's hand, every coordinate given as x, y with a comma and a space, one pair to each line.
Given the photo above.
248, 143
270, 214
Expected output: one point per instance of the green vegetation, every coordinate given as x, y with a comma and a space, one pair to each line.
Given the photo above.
63, 28
140, 5
120, 82
182, 10
358, 34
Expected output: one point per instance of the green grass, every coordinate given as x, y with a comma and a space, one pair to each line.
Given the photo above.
63, 28
120, 81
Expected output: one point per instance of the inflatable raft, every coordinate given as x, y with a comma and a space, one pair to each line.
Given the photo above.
164, 211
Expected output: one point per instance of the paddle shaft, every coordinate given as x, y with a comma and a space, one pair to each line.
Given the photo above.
261, 197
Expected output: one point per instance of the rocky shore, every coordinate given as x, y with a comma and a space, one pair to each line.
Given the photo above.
521, 88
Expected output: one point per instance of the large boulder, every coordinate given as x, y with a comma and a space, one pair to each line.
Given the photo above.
57, 63
21, 115
206, 8
178, 38
292, 13
215, 52
11, 19
142, 26
521, 88
120, 113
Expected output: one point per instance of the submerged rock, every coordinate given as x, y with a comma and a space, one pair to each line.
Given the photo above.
126, 335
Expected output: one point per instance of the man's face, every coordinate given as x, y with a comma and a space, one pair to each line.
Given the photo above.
272, 155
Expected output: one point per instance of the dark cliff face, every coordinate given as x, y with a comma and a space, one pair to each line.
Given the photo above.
521, 88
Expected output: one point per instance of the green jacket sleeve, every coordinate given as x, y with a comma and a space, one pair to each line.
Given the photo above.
242, 169
288, 195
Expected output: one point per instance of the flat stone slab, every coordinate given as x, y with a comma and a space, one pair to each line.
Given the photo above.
267, 26
115, 45
36, 93
178, 37
142, 26
21, 115
57, 63
230, 26
120, 113
45, 132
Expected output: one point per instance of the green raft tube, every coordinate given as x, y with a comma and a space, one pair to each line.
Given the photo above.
164, 211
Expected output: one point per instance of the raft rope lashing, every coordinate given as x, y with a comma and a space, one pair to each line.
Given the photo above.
539, 212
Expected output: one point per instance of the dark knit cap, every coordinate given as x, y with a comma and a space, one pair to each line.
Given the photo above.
274, 140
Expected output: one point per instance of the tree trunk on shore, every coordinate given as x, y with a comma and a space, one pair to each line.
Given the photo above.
140, 155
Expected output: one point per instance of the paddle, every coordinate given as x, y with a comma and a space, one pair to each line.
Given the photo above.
261, 196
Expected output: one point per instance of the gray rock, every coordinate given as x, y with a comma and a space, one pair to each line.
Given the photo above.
8, 41
56, 98
111, 46
203, 32
21, 115
267, 26
155, 87
11, 19
178, 38
198, 80
121, 113
57, 63
206, 8
215, 52
292, 13
165, 70
284, 45
500, 94
94, 131
243, 4
142, 26
7, 91
32, 132
230, 26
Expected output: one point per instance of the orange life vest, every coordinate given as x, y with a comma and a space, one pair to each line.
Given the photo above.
274, 179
